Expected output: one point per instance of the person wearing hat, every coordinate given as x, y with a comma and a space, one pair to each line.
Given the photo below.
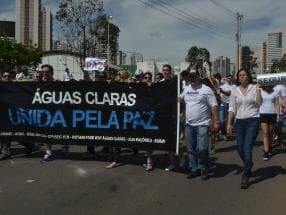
200, 105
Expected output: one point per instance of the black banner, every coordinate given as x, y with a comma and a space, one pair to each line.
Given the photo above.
97, 113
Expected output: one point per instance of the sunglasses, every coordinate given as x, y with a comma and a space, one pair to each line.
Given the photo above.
5, 76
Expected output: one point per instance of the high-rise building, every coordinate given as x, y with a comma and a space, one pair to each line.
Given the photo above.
232, 69
101, 48
46, 26
33, 24
121, 58
274, 47
132, 58
222, 66
136, 57
7, 29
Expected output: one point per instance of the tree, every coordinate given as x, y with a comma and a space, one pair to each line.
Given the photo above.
197, 56
78, 20
279, 66
13, 55
248, 61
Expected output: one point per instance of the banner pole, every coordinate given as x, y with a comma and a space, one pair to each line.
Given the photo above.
178, 114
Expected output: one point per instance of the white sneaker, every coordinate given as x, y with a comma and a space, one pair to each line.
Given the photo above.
46, 158
170, 167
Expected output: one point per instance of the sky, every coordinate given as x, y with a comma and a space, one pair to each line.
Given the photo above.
166, 29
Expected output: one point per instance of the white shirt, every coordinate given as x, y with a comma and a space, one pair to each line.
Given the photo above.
268, 102
244, 106
226, 88
67, 76
20, 76
199, 100
280, 89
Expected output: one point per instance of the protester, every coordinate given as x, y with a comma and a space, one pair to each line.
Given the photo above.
244, 104
39, 75
19, 75
158, 77
147, 78
269, 111
167, 74
48, 73
115, 152
200, 105
281, 91
225, 90
67, 75
6, 144
185, 81
214, 86
138, 76
90, 149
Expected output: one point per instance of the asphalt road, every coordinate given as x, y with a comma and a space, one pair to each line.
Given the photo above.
76, 186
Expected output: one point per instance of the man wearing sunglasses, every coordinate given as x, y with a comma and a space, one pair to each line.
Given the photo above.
6, 76
147, 78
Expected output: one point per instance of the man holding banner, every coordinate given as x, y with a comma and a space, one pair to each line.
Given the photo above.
200, 105
48, 73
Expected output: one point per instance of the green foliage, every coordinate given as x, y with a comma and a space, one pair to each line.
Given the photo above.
197, 56
13, 55
279, 66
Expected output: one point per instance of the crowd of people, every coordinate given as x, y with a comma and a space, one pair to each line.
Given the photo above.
213, 108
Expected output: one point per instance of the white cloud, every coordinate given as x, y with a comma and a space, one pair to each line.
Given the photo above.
137, 23
154, 34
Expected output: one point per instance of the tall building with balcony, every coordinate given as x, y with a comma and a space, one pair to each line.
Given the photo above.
274, 47
33, 24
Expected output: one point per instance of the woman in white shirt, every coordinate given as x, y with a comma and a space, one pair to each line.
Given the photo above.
244, 104
269, 110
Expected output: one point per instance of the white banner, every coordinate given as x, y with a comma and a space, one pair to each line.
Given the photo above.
94, 64
271, 79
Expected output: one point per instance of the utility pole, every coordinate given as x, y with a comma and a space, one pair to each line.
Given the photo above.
238, 41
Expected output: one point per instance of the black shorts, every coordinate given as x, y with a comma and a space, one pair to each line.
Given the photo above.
268, 118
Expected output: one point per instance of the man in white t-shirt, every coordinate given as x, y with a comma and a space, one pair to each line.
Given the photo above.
200, 106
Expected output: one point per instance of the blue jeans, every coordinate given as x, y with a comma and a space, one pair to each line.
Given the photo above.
223, 112
246, 134
198, 147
